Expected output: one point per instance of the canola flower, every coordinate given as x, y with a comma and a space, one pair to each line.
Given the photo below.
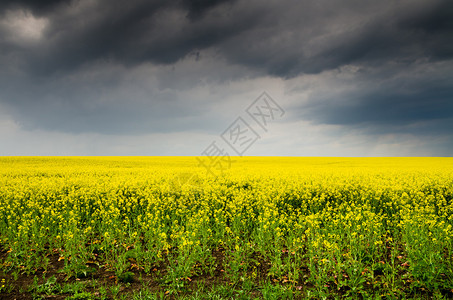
332, 219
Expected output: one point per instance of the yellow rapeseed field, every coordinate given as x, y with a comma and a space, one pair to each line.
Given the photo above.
315, 226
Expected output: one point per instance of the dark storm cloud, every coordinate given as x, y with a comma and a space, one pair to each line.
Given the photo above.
38, 7
195, 7
435, 27
313, 37
283, 38
127, 32
43, 71
390, 111
198, 7
415, 100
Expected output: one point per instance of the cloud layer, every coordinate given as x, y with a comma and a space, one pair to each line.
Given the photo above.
349, 74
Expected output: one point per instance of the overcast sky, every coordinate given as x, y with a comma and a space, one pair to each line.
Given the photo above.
353, 78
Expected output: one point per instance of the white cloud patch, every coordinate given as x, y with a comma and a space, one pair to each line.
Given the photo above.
22, 27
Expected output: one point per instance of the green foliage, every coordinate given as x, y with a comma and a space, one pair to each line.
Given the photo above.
273, 228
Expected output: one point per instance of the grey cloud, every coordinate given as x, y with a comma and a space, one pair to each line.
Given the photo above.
112, 99
37, 7
76, 75
306, 39
126, 109
126, 32
280, 38
416, 100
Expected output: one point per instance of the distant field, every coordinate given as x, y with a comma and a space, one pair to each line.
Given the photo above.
272, 228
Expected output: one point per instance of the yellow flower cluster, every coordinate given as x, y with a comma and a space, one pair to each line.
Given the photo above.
333, 210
